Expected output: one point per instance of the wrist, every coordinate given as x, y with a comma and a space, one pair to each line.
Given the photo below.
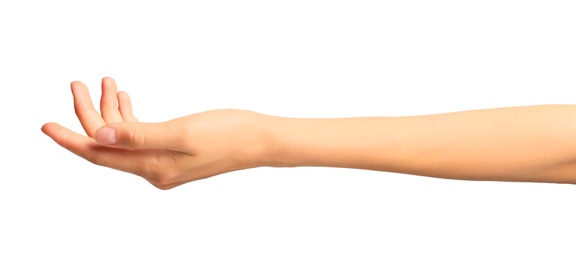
273, 149
291, 142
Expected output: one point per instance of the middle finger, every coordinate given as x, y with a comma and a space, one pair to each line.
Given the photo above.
88, 116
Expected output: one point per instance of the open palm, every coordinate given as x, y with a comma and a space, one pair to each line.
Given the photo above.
166, 154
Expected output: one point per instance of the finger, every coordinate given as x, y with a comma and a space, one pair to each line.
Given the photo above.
125, 107
88, 116
133, 135
133, 161
108, 102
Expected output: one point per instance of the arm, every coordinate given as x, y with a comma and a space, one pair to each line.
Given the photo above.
532, 143
535, 143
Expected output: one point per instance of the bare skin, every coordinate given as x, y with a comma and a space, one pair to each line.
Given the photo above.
532, 143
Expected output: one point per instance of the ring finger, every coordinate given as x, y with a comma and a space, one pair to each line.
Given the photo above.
108, 102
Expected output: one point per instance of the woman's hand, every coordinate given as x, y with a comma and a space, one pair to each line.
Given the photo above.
166, 154
532, 143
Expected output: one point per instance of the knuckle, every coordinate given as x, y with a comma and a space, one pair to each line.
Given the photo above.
137, 138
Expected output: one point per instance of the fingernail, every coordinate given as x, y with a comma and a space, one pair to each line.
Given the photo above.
106, 136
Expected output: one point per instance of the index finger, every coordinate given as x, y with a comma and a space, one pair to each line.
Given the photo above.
132, 161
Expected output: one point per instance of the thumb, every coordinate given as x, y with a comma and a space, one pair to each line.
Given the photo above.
136, 135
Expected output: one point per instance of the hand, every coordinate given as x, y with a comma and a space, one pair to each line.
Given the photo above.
166, 154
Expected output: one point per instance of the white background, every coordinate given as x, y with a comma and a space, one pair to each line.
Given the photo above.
288, 58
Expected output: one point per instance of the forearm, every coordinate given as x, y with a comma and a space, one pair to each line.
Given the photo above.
536, 143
